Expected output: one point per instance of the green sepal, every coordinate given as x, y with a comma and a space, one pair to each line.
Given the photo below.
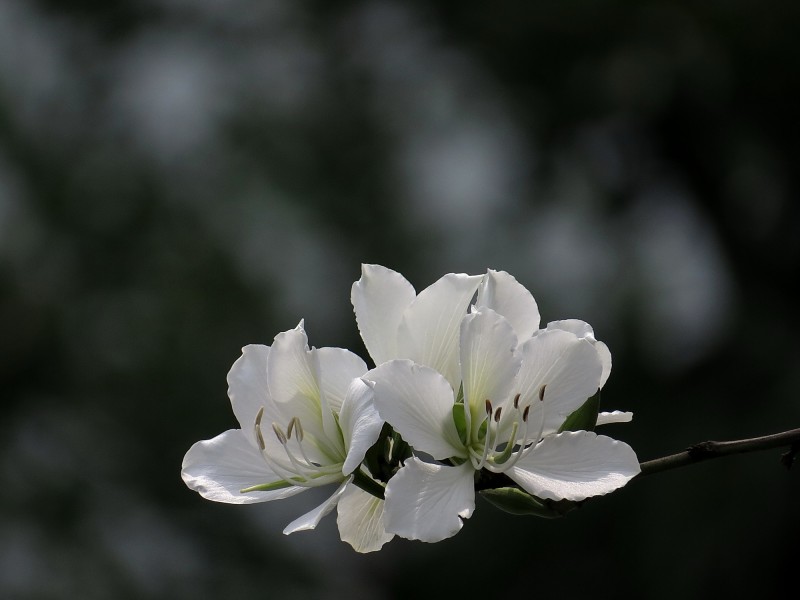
369, 485
460, 420
585, 417
483, 429
399, 451
377, 457
518, 502
385, 456
460, 395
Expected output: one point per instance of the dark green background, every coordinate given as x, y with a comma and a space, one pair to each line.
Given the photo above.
179, 178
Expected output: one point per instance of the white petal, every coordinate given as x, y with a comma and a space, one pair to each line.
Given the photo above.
379, 299
248, 388
427, 502
605, 359
360, 422
505, 295
312, 518
583, 330
617, 416
291, 372
575, 465
418, 402
360, 520
337, 367
488, 360
219, 468
293, 385
429, 330
567, 365
580, 328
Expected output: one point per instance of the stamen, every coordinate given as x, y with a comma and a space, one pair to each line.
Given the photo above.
304, 477
521, 448
303, 469
279, 434
285, 471
260, 439
303, 450
487, 444
298, 428
524, 451
508, 450
257, 426
295, 472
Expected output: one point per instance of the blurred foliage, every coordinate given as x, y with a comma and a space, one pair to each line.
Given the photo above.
181, 178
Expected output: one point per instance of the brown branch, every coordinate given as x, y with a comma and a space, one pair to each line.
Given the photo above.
708, 450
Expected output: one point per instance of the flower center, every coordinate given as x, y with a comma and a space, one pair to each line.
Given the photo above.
500, 452
296, 467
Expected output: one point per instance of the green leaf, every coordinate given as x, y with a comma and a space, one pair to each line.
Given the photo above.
584, 418
518, 502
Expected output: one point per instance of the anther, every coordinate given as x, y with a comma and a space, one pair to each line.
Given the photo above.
516, 401
541, 392
525, 413
298, 429
279, 434
257, 427
497, 414
488, 407
260, 439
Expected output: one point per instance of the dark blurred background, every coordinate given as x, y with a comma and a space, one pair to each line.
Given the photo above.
179, 178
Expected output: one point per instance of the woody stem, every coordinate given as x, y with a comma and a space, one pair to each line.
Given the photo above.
708, 450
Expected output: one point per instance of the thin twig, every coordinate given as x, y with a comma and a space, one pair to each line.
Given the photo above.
708, 450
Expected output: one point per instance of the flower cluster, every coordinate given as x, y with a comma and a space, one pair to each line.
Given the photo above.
468, 393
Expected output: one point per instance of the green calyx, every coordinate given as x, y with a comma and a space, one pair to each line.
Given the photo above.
460, 420
369, 485
518, 502
386, 455
583, 418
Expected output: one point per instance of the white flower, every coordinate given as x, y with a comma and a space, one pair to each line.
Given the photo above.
307, 420
395, 322
517, 386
